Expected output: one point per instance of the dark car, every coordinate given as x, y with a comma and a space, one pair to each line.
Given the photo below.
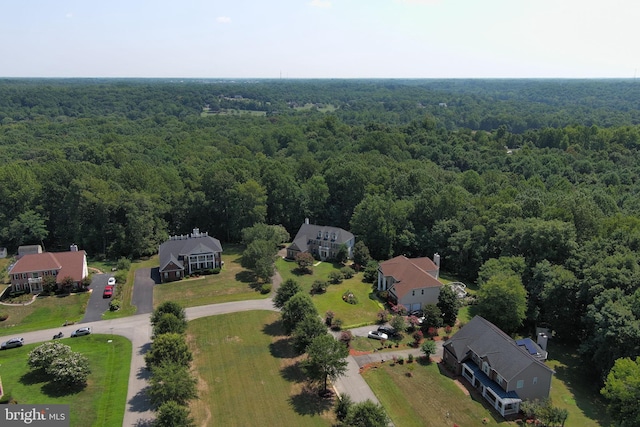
12, 343
108, 291
387, 330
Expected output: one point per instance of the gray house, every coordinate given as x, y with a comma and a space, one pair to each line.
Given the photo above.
183, 255
502, 371
321, 241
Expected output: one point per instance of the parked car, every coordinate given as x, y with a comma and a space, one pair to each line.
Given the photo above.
387, 330
108, 291
378, 335
111, 281
80, 332
13, 342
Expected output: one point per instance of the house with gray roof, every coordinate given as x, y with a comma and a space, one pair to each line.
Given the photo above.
502, 371
183, 255
321, 241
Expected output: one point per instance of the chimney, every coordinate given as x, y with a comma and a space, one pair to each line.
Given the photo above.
73, 248
196, 232
436, 261
306, 220
542, 340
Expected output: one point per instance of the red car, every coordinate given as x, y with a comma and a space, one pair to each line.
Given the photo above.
108, 291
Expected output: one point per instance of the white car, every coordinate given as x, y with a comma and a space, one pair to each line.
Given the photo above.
80, 332
377, 335
111, 281
13, 342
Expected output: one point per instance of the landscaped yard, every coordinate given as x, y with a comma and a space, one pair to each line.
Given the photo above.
101, 403
352, 315
426, 398
249, 375
233, 283
43, 313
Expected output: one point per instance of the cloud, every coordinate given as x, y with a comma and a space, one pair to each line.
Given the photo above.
419, 1
223, 19
320, 3
69, 15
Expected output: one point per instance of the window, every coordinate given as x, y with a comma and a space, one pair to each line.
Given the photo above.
485, 368
422, 291
319, 234
535, 380
413, 293
326, 235
520, 384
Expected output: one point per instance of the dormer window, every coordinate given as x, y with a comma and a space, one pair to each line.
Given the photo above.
333, 236
326, 235
319, 234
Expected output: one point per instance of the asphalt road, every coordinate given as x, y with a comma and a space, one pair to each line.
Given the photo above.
97, 304
143, 290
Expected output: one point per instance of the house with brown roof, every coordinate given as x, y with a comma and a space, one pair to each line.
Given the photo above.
411, 282
28, 273
504, 372
321, 241
183, 255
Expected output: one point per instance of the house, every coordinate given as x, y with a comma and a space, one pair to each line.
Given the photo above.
29, 249
411, 282
504, 372
3, 252
183, 255
322, 242
28, 272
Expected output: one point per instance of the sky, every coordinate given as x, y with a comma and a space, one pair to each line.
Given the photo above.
320, 38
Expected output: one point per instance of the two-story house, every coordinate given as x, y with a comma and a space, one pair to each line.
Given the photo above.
321, 241
28, 273
183, 255
411, 282
504, 372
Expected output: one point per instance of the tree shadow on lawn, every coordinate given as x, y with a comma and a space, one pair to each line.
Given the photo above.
282, 349
293, 373
52, 389
35, 376
246, 276
309, 402
273, 329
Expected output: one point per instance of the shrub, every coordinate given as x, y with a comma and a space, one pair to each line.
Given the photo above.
417, 337
343, 405
336, 277
336, 325
383, 316
265, 288
215, 270
123, 264
432, 332
318, 287
410, 358
3, 317
328, 317
349, 297
400, 360
347, 272
114, 305
447, 329
346, 337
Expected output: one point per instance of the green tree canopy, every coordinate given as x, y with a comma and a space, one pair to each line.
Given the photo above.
327, 359
502, 300
296, 309
622, 390
168, 348
284, 293
171, 382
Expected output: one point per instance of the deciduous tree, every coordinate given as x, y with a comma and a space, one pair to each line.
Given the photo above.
327, 359
502, 300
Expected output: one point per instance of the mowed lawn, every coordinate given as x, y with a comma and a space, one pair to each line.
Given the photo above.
233, 283
426, 398
352, 315
248, 374
101, 403
43, 313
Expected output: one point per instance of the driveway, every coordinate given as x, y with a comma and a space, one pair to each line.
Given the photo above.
97, 304
143, 290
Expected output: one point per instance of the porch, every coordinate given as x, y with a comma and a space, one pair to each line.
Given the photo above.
505, 402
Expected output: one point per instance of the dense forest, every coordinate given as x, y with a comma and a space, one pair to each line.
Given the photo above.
540, 177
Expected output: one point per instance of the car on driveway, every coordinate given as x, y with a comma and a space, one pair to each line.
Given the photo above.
111, 281
108, 291
80, 332
376, 335
387, 330
13, 342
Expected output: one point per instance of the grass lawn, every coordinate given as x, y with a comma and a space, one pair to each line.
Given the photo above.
248, 374
352, 315
234, 283
426, 398
43, 313
575, 388
101, 403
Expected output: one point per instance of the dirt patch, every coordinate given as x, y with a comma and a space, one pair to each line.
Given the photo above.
353, 352
232, 339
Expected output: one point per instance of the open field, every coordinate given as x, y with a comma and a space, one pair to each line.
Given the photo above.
352, 315
101, 403
249, 375
234, 283
426, 398
43, 313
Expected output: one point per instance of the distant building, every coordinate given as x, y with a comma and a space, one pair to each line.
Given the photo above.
29, 249
3, 252
183, 255
28, 272
321, 241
